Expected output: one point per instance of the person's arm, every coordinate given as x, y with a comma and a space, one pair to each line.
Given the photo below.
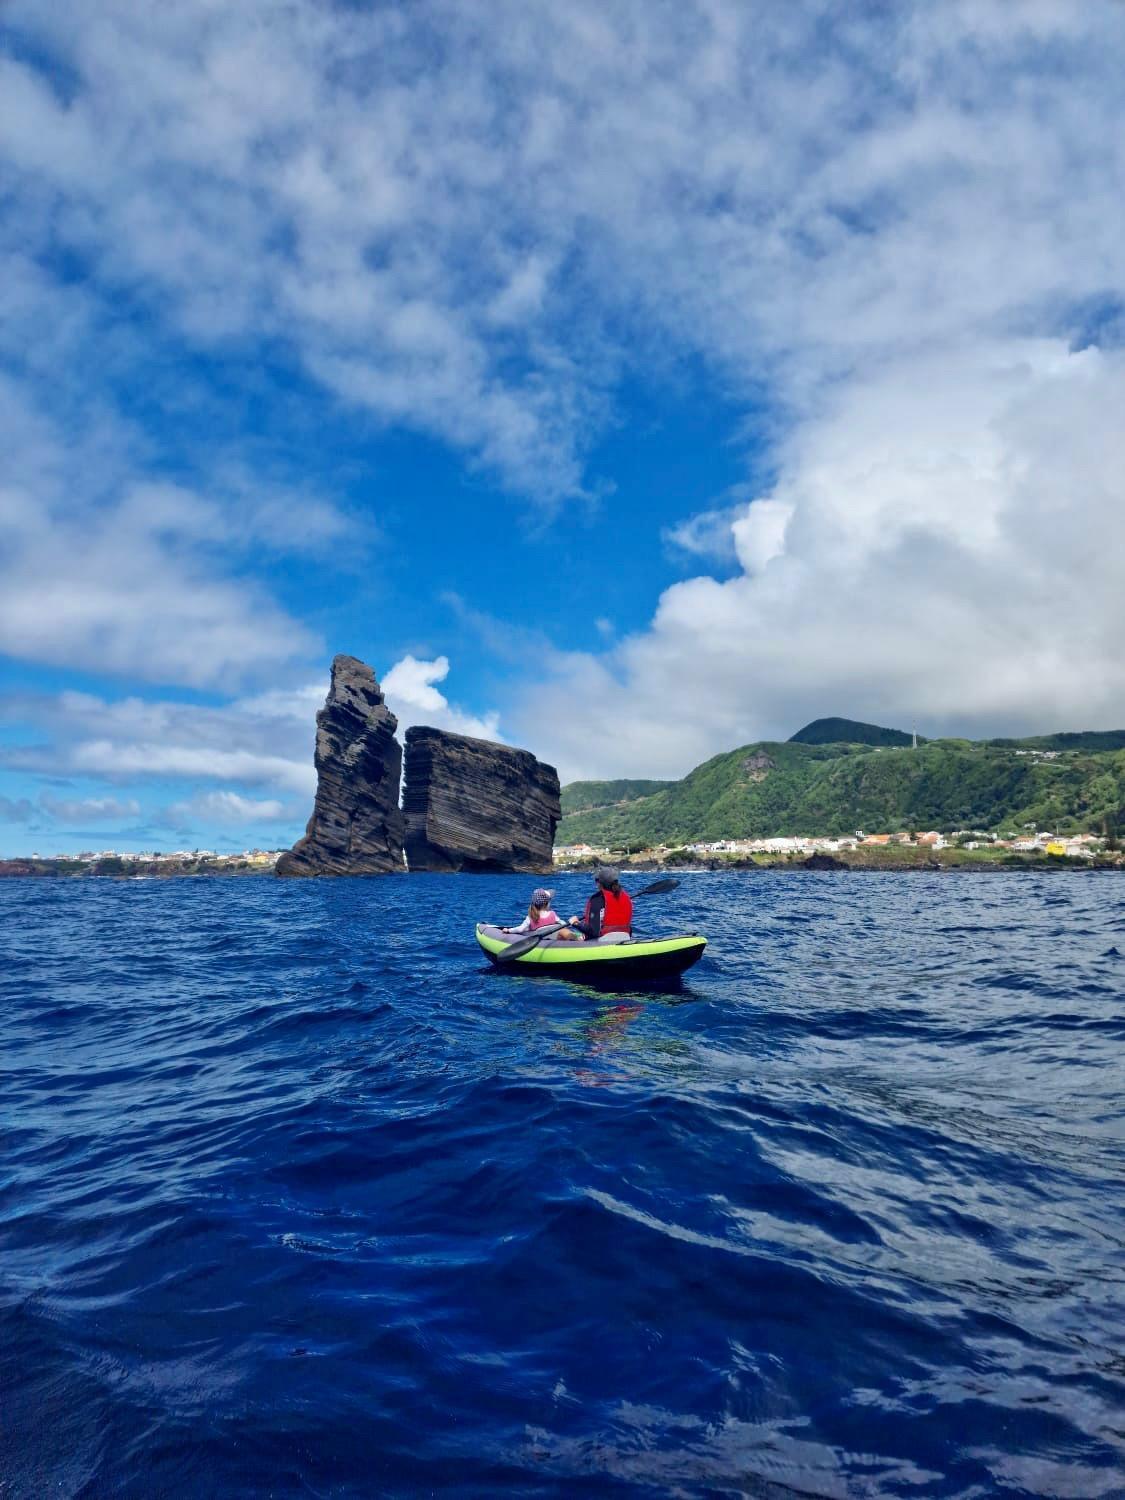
580, 923
591, 923
525, 926
585, 917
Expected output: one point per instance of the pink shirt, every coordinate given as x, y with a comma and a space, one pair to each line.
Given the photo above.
546, 919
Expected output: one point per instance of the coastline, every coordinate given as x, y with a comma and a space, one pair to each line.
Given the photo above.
118, 869
881, 859
946, 861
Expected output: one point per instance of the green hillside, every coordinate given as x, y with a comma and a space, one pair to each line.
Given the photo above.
847, 731
580, 796
769, 790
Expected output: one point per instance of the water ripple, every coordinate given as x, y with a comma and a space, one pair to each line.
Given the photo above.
298, 1197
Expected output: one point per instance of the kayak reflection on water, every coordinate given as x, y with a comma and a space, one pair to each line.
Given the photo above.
604, 1033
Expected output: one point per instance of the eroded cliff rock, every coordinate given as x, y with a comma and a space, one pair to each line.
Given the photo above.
356, 825
475, 805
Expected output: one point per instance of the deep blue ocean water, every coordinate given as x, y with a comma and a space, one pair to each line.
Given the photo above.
297, 1197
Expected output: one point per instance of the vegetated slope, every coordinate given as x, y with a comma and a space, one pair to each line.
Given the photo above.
769, 790
847, 731
581, 796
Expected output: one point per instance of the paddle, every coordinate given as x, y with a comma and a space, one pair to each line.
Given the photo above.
533, 939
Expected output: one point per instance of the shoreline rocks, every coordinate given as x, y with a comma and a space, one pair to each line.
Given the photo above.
356, 826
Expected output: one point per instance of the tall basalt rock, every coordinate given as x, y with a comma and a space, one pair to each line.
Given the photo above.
356, 826
477, 806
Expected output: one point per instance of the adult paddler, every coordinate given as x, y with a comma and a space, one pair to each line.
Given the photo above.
609, 908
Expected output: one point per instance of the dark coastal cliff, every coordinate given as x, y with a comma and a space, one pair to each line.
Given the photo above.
478, 806
356, 825
468, 804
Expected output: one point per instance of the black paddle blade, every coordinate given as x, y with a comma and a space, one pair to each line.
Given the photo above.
658, 889
525, 944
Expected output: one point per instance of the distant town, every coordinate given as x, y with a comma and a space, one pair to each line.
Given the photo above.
964, 847
144, 864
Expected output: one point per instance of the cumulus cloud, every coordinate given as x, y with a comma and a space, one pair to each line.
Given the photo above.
411, 695
893, 229
943, 542
708, 535
411, 683
748, 529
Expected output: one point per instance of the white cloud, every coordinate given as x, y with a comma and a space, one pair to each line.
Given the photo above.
131, 591
227, 807
888, 226
759, 533
748, 529
258, 742
89, 809
472, 239
708, 535
295, 705
125, 762
952, 551
262, 741
411, 695
106, 573
410, 682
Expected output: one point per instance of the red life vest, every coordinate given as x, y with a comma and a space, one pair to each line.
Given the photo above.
618, 914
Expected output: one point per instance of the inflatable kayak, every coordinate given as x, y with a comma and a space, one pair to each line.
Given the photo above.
610, 957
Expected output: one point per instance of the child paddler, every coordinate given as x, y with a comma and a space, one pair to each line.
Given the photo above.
539, 913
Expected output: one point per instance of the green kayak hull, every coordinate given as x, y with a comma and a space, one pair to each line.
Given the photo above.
653, 958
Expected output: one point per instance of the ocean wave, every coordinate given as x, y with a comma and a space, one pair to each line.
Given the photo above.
297, 1197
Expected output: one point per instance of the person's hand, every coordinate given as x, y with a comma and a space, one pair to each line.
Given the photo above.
571, 921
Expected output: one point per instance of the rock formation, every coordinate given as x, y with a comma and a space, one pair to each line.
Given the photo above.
758, 767
478, 806
356, 826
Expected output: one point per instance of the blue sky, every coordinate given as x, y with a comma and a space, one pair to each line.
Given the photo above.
624, 380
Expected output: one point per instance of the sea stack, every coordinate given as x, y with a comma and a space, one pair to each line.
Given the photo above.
356, 825
477, 806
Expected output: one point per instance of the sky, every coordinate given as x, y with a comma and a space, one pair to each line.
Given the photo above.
623, 379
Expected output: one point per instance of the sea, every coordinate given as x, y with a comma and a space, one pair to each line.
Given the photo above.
298, 1197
